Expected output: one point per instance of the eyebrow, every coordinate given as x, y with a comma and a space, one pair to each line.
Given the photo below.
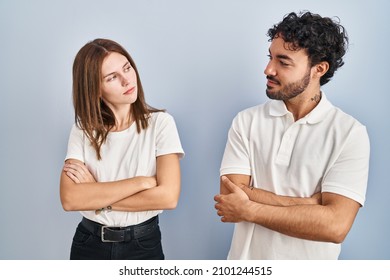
282, 56
127, 63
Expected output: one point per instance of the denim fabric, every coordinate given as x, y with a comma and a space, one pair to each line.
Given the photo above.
87, 246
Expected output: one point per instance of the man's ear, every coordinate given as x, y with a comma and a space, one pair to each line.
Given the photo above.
321, 68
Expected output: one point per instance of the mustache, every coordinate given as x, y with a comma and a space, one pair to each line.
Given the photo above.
272, 78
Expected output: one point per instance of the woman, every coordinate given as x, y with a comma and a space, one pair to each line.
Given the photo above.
122, 164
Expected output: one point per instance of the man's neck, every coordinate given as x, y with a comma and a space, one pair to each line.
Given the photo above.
303, 104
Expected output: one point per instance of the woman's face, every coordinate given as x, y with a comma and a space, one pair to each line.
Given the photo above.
119, 81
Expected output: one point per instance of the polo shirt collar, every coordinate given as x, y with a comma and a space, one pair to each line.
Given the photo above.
279, 109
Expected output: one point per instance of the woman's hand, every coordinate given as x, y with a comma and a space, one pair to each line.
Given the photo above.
78, 172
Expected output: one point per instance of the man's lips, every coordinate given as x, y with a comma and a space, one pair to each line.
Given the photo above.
272, 81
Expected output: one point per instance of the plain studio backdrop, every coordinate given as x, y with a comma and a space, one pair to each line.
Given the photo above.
203, 61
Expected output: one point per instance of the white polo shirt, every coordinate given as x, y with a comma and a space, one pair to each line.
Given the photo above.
126, 154
326, 151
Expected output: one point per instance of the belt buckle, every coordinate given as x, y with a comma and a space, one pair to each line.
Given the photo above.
102, 234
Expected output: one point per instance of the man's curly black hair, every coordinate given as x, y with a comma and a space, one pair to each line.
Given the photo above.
323, 38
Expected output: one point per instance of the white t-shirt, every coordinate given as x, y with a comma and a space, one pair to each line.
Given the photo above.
126, 154
326, 151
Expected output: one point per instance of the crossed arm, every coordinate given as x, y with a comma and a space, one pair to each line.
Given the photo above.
323, 217
79, 190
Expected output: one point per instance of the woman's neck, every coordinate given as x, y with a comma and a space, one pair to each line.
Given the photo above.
123, 119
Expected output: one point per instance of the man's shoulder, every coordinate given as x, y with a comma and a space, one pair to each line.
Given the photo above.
345, 119
336, 115
254, 110
251, 115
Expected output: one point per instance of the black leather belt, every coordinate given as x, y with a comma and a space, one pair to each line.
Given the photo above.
120, 234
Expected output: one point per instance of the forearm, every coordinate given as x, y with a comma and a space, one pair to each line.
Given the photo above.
328, 221
269, 198
312, 222
164, 196
265, 197
92, 196
158, 198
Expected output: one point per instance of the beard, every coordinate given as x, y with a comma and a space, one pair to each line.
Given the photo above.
291, 90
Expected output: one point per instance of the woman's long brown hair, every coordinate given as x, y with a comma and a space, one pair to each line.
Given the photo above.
92, 115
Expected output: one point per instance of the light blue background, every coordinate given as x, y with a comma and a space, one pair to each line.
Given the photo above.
201, 60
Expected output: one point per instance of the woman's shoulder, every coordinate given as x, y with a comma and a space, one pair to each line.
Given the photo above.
75, 128
161, 120
76, 131
160, 116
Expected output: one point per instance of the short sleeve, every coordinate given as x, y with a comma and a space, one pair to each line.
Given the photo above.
76, 144
348, 176
167, 136
236, 158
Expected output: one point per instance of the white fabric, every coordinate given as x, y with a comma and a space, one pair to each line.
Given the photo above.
327, 150
126, 154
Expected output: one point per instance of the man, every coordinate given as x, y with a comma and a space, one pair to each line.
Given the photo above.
294, 172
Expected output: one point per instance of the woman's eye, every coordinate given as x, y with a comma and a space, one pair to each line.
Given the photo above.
127, 69
111, 78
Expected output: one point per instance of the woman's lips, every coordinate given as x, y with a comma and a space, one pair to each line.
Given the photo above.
130, 91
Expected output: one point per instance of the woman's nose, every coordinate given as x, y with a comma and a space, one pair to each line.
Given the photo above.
125, 81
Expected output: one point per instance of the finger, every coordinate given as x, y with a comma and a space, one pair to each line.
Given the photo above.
82, 168
70, 170
75, 173
230, 185
84, 172
72, 177
80, 171
77, 167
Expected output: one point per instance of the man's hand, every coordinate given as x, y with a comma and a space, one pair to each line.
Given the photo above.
317, 198
232, 207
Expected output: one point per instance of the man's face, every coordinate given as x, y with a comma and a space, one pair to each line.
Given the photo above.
288, 71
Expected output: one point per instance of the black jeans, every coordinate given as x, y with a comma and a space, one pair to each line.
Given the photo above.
87, 246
